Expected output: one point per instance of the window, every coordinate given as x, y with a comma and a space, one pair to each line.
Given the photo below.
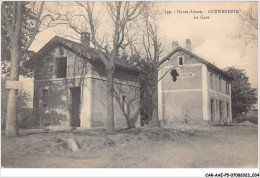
217, 106
216, 82
180, 60
224, 83
62, 67
227, 88
212, 109
219, 81
211, 81
44, 98
124, 103
220, 110
227, 109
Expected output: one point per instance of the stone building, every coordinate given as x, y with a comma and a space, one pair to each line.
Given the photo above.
70, 87
201, 92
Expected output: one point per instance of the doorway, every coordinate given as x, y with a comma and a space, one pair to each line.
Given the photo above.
75, 106
220, 111
212, 110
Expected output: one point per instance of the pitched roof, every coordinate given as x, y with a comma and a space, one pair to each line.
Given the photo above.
208, 64
83, 51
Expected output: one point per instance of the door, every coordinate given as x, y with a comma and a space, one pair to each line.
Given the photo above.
75, 106
212, 109
220, 111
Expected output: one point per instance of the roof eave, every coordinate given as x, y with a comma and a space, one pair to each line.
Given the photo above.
56, 40
208, 64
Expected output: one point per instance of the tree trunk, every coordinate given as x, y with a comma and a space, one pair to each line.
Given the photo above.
131, 125
110, 99
128, 123
11, 114
155, 119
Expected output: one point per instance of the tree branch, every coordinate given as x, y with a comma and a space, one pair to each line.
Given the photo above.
13, 15
19, 19
5, 19
36, 28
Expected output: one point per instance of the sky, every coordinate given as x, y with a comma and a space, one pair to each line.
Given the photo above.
212, 39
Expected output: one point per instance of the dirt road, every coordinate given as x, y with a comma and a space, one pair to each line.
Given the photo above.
226, 146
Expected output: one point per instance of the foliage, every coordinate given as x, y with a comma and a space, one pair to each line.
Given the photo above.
243, 95
12, 15
28, 23
148, 80
146, 48
24, 111
174, 74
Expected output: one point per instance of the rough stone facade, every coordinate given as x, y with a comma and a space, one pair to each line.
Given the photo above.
81, 94
201, 90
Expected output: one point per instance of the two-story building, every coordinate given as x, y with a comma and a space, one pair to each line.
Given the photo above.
202, 91
70, 87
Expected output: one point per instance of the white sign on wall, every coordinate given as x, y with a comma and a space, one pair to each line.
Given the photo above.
186, 75
14, 85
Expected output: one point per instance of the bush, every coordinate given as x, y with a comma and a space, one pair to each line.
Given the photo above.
24, 111
25, 118
243, 95
251, 116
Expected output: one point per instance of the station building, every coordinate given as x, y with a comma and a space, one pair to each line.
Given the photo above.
70, 87
201, 91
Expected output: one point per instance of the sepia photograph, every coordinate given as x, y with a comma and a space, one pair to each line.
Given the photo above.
130, 84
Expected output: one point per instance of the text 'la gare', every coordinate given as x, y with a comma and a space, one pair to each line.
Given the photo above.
201, 17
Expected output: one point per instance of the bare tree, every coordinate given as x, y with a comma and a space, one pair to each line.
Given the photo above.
248, 29
120, 14
11, 16
149, 48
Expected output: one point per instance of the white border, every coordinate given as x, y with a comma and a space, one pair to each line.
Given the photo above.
8, 172
118, 172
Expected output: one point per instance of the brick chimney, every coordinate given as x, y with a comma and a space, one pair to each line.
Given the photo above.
85, 38
188, 44
174, 45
